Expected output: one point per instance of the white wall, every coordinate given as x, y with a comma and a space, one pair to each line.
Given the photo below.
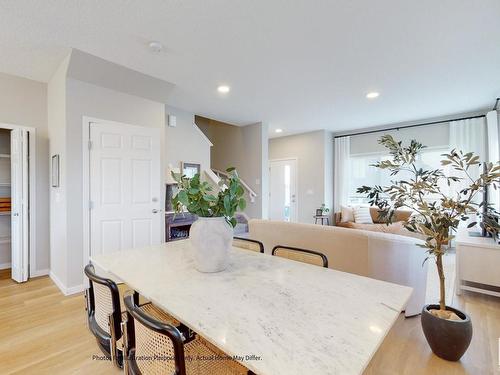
97, 71
84, 99
314, 152
437, 135
185, 142
328, 152
24, 102
253, 165
70, 100
56, 105
264, 162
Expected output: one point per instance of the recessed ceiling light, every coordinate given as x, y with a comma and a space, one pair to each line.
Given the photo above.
279, 130
372, 95
223, 89
155, 47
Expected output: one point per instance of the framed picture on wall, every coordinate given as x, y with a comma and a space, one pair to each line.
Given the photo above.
190, 169
55, 170
171, 192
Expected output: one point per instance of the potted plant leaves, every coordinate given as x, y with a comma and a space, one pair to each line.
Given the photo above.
212, 233
447, 330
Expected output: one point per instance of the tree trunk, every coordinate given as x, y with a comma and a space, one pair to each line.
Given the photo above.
439, 264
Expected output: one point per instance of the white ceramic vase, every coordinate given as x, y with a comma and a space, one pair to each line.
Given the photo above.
211, 238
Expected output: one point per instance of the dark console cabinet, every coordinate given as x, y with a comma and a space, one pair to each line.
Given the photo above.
177, 225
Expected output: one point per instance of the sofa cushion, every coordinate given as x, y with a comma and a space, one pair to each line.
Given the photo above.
362, 215
399, 215
347, 214
394, 228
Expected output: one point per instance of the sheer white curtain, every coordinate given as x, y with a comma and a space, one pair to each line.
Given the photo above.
469, 136
493, 153
341, 175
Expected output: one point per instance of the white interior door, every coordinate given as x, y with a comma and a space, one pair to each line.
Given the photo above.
20, 198
125, 185
283, 190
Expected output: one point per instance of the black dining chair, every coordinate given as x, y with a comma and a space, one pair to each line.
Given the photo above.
154, 346
301, 255
248, 244
104, 313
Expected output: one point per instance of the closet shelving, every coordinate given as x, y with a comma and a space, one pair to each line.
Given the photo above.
5, 192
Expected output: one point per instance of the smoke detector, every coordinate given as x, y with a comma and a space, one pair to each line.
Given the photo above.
155, 47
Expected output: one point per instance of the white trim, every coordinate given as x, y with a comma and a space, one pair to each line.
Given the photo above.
65, 290
203, 135
86, 188
296, 159
479, 290
74, 290
56, 281
39, 273
32, 198
284, 159
4, 266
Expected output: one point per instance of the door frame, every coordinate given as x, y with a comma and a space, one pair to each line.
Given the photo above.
32, 270
86, 121
296, 160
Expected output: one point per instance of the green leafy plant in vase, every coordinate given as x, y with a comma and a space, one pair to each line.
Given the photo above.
211, 234
435, 221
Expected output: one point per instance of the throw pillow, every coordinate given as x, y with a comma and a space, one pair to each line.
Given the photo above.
362, 215
347, 214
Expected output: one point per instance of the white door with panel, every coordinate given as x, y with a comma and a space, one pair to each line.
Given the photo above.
20, 199
125, 187
283, 190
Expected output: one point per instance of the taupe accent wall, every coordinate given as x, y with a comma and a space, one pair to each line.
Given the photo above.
246, 149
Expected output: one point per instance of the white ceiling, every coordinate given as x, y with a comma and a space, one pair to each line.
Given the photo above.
297, 64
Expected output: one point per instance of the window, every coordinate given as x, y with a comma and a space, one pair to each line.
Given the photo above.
363, 173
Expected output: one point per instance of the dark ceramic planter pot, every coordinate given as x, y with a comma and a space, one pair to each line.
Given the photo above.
448, 339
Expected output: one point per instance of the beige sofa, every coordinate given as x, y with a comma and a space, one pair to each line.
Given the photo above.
396, 227
381, 256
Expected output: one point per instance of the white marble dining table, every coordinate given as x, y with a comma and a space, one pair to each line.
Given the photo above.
274, 315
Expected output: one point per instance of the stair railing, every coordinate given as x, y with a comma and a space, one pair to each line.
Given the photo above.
215, 175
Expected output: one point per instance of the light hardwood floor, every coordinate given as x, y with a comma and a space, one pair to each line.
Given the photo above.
44, 332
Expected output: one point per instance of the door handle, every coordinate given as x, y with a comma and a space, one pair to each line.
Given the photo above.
155, 211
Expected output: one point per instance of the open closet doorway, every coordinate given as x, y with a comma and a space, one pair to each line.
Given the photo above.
15, 201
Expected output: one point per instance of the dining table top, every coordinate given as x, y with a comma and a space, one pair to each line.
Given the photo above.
273, 315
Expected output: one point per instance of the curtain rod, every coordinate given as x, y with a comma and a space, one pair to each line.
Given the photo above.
409, 126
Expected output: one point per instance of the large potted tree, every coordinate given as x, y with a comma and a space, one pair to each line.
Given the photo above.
212, 233
447, 329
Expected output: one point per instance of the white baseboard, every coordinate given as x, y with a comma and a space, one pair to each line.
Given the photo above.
38, 273
63, 288
75, 289
4, 266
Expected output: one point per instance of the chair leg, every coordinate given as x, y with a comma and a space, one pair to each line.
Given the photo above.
125, 346
112, 342
87, 307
